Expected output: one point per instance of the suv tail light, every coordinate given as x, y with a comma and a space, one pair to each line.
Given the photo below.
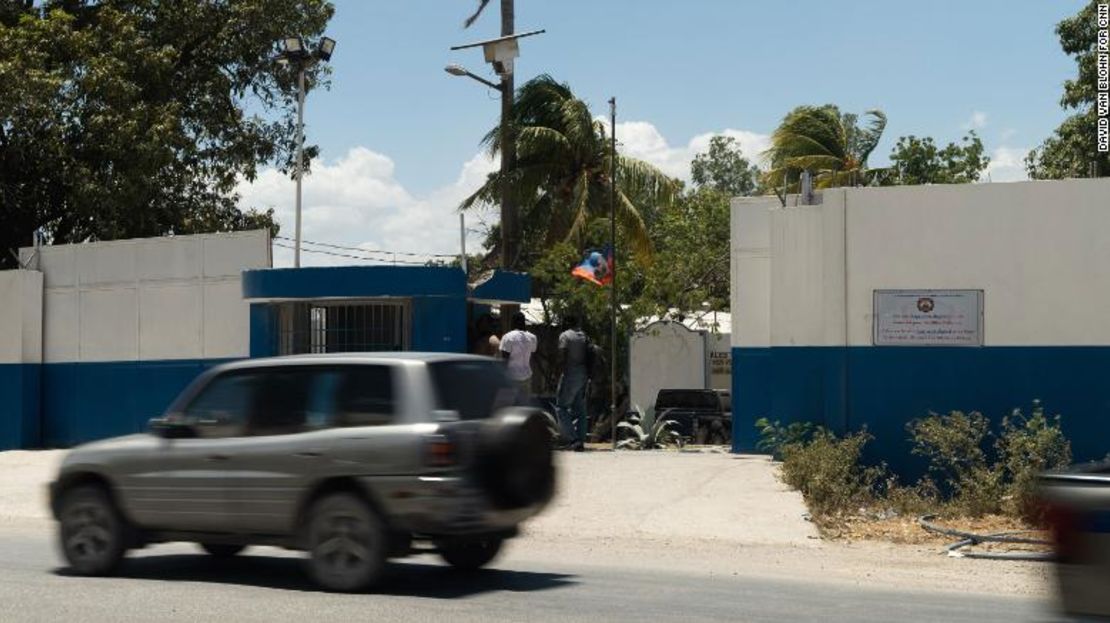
440, 451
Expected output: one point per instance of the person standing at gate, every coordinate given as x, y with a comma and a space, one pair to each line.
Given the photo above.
575, 351
517, 347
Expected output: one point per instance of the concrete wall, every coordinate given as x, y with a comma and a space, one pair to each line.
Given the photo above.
1036, 250
127, 324
20, 357
665, 355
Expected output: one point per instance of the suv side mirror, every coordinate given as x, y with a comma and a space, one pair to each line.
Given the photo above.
170, 429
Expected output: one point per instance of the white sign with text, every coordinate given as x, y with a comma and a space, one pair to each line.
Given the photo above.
928, 318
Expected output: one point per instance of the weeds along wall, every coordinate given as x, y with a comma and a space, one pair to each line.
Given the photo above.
108, 333
804, 279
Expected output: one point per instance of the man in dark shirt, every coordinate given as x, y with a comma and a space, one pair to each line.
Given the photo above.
570, 399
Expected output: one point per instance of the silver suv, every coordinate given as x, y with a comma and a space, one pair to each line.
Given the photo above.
353, 458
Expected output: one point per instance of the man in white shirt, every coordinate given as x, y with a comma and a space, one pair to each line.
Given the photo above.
517, 347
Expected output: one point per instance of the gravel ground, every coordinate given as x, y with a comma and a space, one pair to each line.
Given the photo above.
714, 513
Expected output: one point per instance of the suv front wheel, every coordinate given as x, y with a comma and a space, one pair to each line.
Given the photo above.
347, 543
91, 531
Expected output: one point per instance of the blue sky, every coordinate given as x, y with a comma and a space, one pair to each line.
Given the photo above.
394, 125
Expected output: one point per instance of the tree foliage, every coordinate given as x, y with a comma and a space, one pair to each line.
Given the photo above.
1071, 151
129, 118
724, 168
834, 146
561, 175
919, 161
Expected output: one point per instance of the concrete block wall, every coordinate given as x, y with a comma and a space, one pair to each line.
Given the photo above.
20, 357
1037, 251
125, 325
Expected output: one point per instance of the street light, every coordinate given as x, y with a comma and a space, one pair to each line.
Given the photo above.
459, 70
294, 53
499, 53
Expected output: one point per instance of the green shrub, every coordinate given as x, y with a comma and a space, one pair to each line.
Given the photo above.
827, 471
971, 471
1027, 447
773, 436
954, 445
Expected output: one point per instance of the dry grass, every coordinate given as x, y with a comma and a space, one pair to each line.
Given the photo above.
906, 530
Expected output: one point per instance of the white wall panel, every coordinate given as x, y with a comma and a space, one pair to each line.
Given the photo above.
149, 299
58, 265
20, 316
750, 266
169, 258
61, 327
665, 355
170, 322
109, 325
226, 320
1037, 249
227, 255
105, 263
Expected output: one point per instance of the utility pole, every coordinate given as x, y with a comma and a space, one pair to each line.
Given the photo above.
510, 219
613, 267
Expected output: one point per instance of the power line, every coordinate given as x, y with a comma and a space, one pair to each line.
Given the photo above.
353, 257
362, 250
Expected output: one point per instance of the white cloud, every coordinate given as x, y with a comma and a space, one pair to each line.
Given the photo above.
356, 201
1007, 165
977, 121
641, 139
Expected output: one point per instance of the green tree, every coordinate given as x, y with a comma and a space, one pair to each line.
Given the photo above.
560, 177
918, 161
128, 118
724, 168
691, 266
1071, 151
830, 144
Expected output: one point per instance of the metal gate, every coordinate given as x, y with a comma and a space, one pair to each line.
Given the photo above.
342, 327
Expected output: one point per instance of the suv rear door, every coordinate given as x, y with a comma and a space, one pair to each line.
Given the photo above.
291, 438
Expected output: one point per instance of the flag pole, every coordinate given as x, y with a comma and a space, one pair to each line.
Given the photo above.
613, 268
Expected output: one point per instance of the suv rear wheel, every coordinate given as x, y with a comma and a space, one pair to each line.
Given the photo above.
347, 543
469, 554
91, 531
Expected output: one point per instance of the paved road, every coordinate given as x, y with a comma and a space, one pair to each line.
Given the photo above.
175, 583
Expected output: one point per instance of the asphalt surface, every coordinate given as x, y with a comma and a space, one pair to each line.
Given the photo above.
176, 583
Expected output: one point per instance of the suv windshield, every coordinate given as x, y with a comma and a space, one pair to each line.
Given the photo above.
473, 388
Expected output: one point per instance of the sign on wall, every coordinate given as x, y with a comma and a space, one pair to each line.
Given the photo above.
928, 318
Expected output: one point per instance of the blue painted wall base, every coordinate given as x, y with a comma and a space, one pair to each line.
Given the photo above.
20, 391
846, 389
89, 401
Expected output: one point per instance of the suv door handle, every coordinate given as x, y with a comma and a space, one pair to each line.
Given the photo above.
308, 454
217, 457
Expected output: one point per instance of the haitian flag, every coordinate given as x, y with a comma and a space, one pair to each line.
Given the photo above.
596, 267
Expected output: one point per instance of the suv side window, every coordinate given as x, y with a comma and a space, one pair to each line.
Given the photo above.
221, 407
365, 396
282, 403
474, 388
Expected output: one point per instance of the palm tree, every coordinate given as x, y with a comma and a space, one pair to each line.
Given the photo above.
561, 174
831, 145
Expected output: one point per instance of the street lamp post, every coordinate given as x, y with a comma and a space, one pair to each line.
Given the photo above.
294, 53
500, 53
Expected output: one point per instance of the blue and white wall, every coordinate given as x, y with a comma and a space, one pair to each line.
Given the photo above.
125, 325
20, 356
803, 279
